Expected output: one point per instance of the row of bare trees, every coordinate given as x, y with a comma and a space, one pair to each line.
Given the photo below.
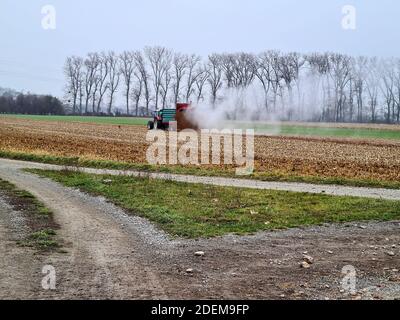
151, 77
323, 87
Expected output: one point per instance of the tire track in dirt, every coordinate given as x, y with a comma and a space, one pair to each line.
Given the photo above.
14, 261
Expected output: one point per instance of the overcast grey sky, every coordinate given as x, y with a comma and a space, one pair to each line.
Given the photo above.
31, 58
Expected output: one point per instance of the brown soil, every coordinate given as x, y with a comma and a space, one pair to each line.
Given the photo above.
321, 157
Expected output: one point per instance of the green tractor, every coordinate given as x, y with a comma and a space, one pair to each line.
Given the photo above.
161, 119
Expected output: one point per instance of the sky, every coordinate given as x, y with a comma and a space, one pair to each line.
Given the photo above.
32, 58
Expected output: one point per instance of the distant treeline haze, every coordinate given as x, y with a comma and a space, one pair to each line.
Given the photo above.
13, 102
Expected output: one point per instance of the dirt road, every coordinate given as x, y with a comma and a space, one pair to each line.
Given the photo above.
112, 255
19, 271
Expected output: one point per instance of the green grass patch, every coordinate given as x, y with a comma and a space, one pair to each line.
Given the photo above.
335, 132
38, 218
195, 210
198, 171
43, 239
25, 198
313, 130
86, 119
6, 186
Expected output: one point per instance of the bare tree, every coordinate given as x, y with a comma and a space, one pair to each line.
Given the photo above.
340, 73
276, 76
160, 60
113, 77
387, 85
179, 65
127, 66
91, 65
243, 69
201, 79
95, 91
227, 62
101, 80
144, 76
71, 91
289, 67
372, 85
73, 72
192, 75
396, 93
214, 75
81, 84
137, 91
265, 72
359, 71
165, 86
320, 66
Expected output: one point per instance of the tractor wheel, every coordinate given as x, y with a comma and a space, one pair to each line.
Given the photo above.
150, 125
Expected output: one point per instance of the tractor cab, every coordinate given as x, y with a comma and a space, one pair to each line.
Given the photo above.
161, 119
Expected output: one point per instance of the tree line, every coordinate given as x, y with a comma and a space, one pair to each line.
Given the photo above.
19, 103
329, 87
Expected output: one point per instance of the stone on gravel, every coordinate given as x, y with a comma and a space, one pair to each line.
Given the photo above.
305, 265
390, 253
308, 259
394, 278
190, 270
199, 253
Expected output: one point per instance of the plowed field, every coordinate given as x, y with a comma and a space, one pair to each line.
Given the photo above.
322, 157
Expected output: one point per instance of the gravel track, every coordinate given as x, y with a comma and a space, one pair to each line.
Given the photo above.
111, 255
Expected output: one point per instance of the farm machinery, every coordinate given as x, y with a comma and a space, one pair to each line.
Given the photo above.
179, 119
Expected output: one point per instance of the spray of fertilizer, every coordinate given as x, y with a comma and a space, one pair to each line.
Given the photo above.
235, 109
247, 108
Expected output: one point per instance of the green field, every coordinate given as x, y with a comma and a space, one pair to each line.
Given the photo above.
269, 129
293, 130
207, 211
